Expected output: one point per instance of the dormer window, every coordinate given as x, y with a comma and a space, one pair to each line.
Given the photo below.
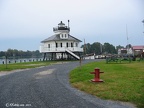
61, 35
64, 36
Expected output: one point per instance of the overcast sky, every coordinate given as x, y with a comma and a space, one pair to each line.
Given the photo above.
25, 23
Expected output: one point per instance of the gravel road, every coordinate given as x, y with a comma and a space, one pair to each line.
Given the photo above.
48, 87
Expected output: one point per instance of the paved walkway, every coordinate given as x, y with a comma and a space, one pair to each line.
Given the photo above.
47, 87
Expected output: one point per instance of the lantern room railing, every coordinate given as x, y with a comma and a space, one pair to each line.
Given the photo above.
61, 28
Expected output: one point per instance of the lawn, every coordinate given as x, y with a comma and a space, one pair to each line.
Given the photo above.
122, 81
24, 65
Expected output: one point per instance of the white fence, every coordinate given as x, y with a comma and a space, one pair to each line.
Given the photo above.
20, 60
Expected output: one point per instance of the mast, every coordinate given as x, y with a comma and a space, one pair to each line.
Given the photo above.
127, 34
68, 23
128, 47
143, 23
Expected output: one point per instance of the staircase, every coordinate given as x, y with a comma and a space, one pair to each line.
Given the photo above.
73, 54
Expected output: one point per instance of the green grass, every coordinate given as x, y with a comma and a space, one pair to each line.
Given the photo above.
122, 81
24, 65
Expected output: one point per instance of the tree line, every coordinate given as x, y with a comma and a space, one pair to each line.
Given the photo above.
20, 53
99, 48
95, 47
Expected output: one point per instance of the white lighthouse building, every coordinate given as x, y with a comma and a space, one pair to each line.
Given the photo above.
61, 45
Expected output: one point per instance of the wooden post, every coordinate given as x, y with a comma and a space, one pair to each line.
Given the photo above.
6, 61
80, 62
52, 56
62, 55
44, 56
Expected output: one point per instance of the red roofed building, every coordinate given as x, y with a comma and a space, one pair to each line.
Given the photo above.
138, 49
134, 50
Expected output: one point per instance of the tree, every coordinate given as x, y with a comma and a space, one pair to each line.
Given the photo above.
119, 47
95, 48
87, 48
109, 48
15, 52
128, 46
19, 53
9, 52
98, 48
2, 53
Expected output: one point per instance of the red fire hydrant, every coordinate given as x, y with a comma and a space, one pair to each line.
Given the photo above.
97, 75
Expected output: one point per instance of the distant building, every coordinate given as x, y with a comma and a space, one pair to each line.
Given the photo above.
134, 50
61, 45
138, 49
122, 51
89, 56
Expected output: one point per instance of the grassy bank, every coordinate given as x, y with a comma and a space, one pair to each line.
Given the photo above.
123, 81
24, 65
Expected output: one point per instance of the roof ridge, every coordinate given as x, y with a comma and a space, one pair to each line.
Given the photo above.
56, 37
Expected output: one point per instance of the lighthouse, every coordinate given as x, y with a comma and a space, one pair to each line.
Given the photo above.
61, 45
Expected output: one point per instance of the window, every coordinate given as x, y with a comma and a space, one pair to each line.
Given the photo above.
65, 35
76, 44
56, 45
48, 45
61, 44
67, 44
71, 44
61, 35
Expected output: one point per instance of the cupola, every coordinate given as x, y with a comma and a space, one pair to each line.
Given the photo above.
61, 24
61, 28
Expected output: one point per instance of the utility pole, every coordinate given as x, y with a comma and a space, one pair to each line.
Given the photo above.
84, 47
128, 52
100, 48
127, 35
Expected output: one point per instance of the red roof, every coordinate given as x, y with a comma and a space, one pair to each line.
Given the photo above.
137, 47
